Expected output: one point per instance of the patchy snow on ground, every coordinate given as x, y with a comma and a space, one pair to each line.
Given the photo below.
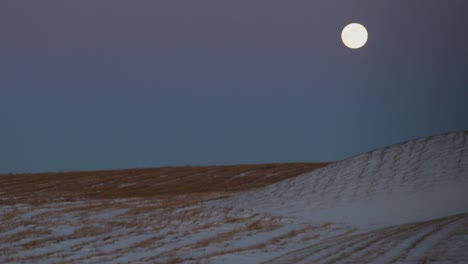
406, 203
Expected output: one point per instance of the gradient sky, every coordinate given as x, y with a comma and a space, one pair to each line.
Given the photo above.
88, 85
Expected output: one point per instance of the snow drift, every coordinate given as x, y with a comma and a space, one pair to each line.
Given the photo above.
413, 181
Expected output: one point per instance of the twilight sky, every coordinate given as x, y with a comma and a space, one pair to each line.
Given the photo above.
88, 85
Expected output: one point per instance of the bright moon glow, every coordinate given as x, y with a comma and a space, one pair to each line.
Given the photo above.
354, 36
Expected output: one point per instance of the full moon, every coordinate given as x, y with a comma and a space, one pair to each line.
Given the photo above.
354, 36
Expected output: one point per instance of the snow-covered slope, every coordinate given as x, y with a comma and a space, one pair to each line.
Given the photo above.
413, 181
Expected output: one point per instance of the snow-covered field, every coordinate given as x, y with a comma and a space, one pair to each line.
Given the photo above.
406, 203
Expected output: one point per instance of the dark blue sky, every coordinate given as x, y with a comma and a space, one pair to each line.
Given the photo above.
90, 85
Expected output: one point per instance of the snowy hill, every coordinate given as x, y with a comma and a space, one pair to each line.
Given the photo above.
412, 181
406, 203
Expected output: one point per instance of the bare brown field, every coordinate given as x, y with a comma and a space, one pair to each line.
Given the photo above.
145, 183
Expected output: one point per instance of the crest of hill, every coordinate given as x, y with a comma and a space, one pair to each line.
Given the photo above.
412, 181
215, 181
